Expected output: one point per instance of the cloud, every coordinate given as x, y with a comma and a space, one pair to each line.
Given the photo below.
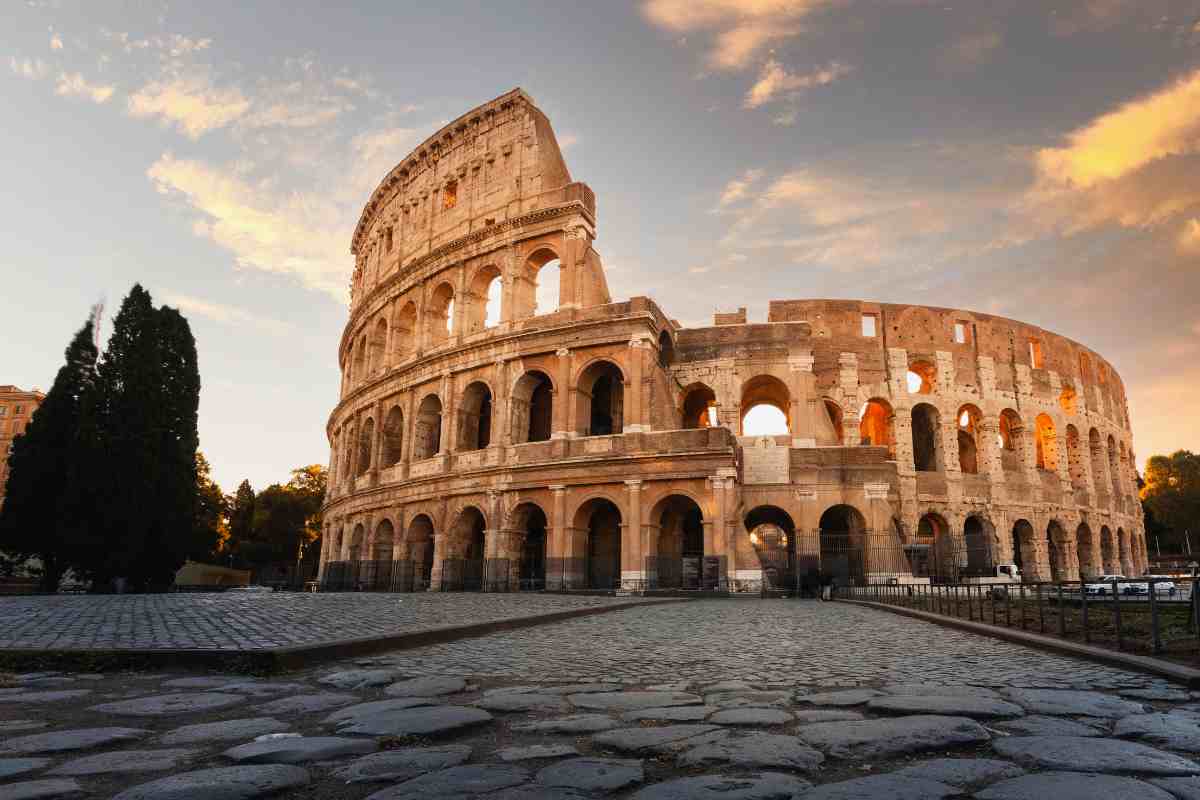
279, 232
226, 314
31, 68
56, 42
1189, 241
774, 79
741, 28
193, 104
737, 188
75, 85
970, 51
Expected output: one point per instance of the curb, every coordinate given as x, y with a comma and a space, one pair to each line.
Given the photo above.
281, 659
1179, 673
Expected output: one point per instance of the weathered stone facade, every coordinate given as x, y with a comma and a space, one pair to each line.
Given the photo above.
16, 409
599, 444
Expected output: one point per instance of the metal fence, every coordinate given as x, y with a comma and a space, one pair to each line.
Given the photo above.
1144, 615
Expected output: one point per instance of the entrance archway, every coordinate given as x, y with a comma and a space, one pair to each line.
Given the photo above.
1056, 548
601, 519
462, 570
420, 552
843, 530
772, 534
944, 561
601, 397
1108, 551
1084, 548
679, 559
699, 407
532, 404
766, 404
1024, 550
531, 569
978, 535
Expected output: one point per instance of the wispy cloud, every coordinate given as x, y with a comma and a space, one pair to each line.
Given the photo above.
31, 68
75, 85
56, 42
737, 189
774, 80
192, 104
227, 314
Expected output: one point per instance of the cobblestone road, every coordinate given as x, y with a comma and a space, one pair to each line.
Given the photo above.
252, 622
734, 699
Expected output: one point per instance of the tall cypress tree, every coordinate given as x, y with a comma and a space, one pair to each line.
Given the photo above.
34, 520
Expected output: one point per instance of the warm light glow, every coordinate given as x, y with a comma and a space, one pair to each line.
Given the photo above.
764, 420
494, 291
914, 382
753, 538
964, 419
450, 316
546, 295
712, 416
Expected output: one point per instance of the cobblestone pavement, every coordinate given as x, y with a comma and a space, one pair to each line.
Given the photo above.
733, 699
253, 622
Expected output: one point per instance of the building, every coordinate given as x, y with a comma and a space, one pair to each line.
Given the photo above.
595, 443
16, 409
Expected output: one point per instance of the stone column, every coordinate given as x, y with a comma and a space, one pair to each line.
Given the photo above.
633, 565
556, 538
634, 415
803, 389
449, 429
563, 424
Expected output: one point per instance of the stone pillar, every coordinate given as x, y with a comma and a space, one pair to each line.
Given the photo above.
636, 411
564, 410
803, 391
449, 429
948, 452
556, 538
633, 564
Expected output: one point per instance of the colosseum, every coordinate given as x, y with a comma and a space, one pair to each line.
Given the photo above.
505, 424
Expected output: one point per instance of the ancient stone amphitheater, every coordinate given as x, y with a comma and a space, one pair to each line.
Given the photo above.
505, 424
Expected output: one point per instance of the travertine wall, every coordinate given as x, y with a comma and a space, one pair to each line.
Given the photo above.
16, 410
453, 438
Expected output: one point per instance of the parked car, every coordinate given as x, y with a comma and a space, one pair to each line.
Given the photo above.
1103, 585
1162, 584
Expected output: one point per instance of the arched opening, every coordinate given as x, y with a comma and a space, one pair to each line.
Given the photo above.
375, 574
440, 314
1125, 552
1124, 465
530, 520
485, 296
349, 451
547, 283
1047, 444
462, 569
393, 436
404, 332
1024, 550
1067, 400
1113, 470
666, 349
356, 543
679, 563
420, 551
532, 405
377, 347
699, 407
1057, 548
475, 417
601, 393
925, 438
921, 377
365, 440
358, 373
1084, 549
1108, 551
841, 541
978, 535
942, 557
385, 539
427, 437
772, 534
1076, 464
1008, 439
601, 519
766, 404
969, 418
875, 425
835, 431
1100, 480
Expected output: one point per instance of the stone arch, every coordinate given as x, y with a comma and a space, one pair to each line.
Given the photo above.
666, 349
1009, 439
463, 551
926, 431
1058, 551
979, 537
366, 439
419, 540
1025, 551
349, 449
377, 345
600, 394
969, 419
1085, 547
1076, 464
531, 406
539, 290
833, 431
1047, 443
600, 519
1109, 555
439, 313
841, 540
383, 541
427, 432
766, 390
921, 377
355, 552
475, 417
677, 525
404, 332
699, 406
771, 532
1100, 481
875, 425
1114, 470
943, 555
484, 294
358, 372
393, 436
530, 525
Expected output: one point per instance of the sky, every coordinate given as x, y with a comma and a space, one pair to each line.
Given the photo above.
1039, 160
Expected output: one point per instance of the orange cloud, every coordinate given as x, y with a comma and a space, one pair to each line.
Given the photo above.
741, 28
774, 79
74, 84
192, 104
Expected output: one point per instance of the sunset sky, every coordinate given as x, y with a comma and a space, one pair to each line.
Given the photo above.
1039, 160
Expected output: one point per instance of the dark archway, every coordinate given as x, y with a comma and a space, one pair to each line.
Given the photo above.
679, 562
843, 531
772, 534
531, 571
420, 552
925, 438
1024, 550
1056, 546
462, 569
978, 535
475, 417
427, 437
602, 520
601, 392
699, 407
1084, 548
532, 406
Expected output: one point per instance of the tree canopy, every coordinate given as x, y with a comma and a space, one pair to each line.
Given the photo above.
1171, 497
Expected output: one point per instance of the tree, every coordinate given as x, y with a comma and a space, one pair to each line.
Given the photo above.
1171, 496
309, 485
34, 521
210, 529
241, 523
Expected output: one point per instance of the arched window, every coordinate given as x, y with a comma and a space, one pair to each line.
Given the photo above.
365, 440
601, 519
1057, 547
393, 436
835, 431
921, 377
359, 370
548, 280
875, 424
427, 437
1009, 439
485, 297
538, 292
532, 407
766, 404
666, 350
440, 313
404, 332
601, 393
1100, 479
969, 418
381, 545
699, 407
1076, 463
378, 348
1047, 444
1114, 470
475, 417
925, 438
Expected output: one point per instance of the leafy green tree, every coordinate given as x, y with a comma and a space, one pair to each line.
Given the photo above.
34, 521
1171, 497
